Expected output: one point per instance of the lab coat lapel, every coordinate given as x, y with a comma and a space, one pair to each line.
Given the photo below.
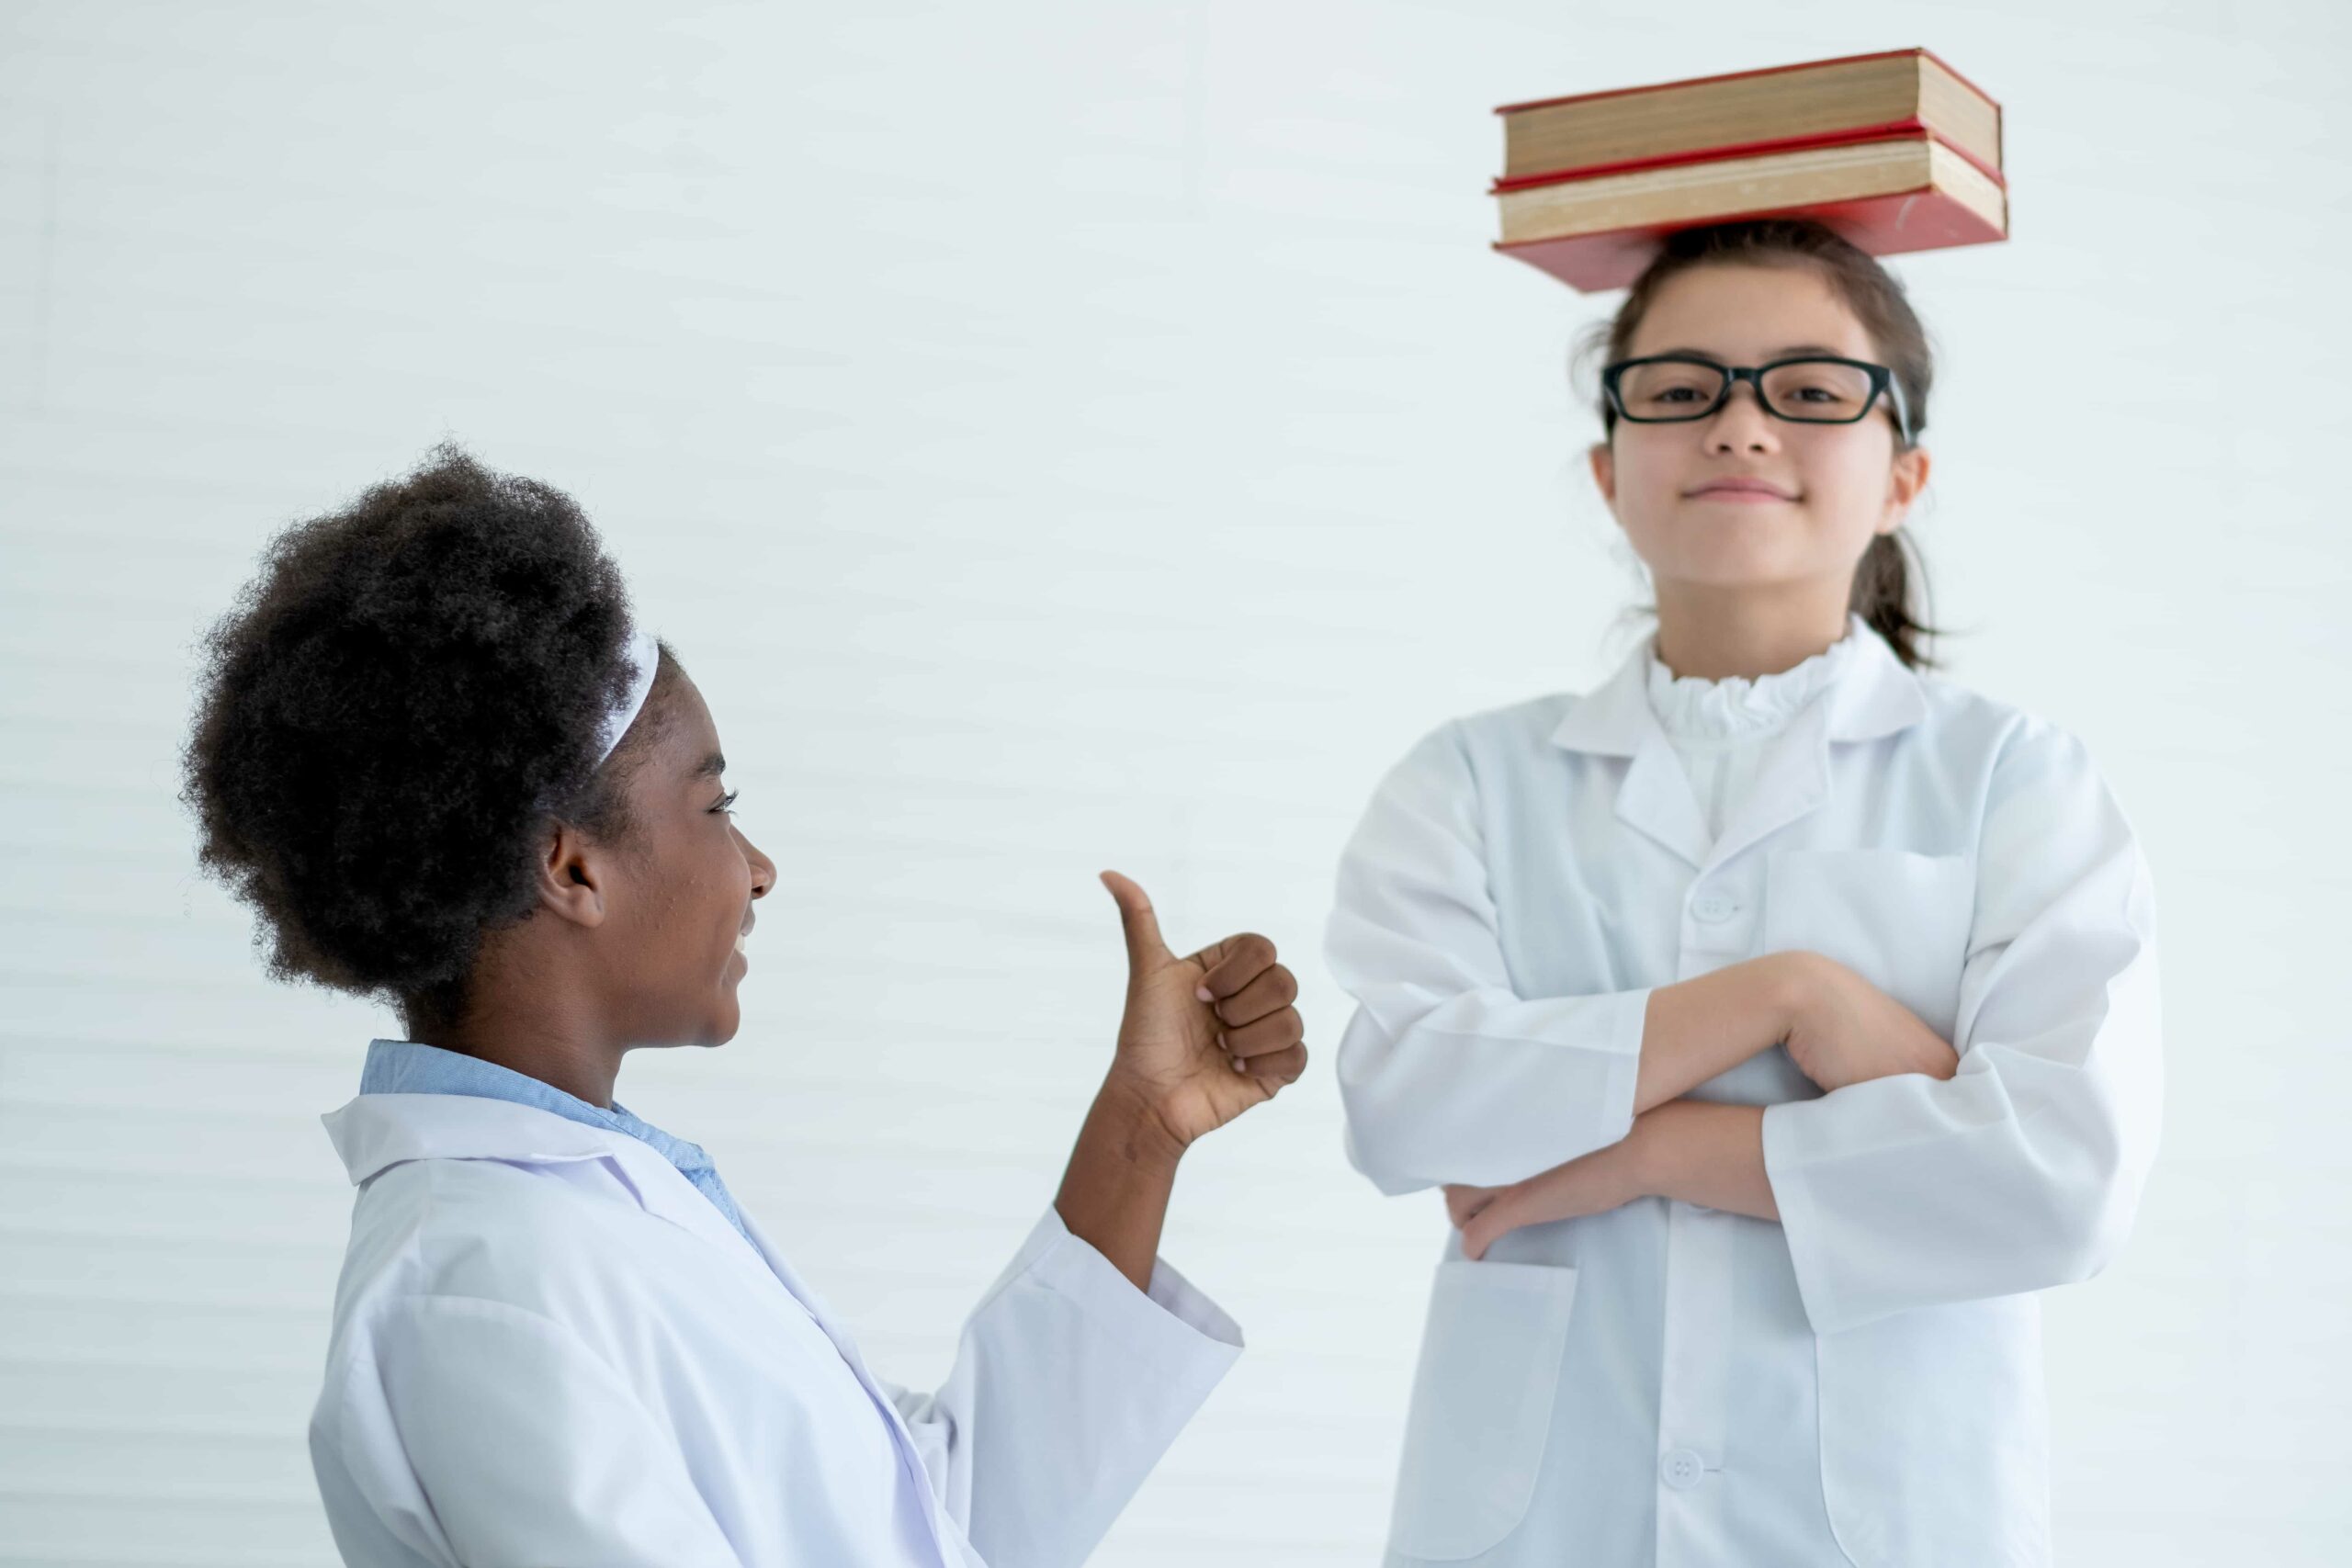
909, 1454
1793, 782
1875, 695
1654, 798
663, 1189
809, 1299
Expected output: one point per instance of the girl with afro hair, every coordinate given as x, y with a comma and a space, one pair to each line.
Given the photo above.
439, 761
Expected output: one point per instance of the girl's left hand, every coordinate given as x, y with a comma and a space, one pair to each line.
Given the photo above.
1600, 1181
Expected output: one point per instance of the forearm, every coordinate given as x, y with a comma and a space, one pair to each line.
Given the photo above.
1704, 1154
1114, 1192
1696, 1029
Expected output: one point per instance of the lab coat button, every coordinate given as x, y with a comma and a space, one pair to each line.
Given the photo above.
1681, 1469
1714, 907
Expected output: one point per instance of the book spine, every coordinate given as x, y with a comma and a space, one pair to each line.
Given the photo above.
1909, 129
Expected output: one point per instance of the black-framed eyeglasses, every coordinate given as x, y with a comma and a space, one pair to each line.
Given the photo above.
1673, 389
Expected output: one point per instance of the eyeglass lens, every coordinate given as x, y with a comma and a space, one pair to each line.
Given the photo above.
1814, 390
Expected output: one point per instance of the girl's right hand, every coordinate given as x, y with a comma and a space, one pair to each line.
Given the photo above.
1843, 1030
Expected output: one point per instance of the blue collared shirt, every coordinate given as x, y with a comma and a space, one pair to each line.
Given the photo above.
404, 1067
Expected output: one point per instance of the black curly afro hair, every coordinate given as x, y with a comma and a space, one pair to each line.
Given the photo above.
391, 715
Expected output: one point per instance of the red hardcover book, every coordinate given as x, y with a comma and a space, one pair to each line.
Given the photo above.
1596, 228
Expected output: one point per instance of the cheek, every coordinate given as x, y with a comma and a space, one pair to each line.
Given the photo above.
1646, 469
703, 909
1649, 486
732, 895
1846, 494
721, 902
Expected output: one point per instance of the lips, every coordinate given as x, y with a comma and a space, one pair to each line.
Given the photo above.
1762, 488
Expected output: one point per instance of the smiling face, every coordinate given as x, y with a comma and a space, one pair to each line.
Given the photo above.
689, 880
1741, 500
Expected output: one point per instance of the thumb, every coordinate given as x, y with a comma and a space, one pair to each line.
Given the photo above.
1146, 951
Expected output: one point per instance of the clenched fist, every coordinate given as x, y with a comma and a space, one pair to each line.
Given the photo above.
1843, 1030
1204, 1038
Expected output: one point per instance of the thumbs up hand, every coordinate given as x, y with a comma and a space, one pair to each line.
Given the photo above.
1204, 1038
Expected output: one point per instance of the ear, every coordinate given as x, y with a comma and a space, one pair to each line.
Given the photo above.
573, 876
1908, 477
1604, 471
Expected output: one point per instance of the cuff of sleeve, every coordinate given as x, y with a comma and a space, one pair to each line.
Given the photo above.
1803, 1222
1626, 1029
1174, 1321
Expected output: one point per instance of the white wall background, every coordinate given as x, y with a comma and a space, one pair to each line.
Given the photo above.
1060, 435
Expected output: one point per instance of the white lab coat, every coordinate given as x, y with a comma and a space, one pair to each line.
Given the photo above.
549, 1349
1665, 1384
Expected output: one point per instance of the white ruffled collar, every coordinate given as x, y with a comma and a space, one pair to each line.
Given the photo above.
1736, 708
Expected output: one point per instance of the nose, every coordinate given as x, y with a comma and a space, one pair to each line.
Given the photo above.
763, 868
1741, 424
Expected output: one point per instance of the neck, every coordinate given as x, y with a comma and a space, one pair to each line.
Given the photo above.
1710, 632
559, 1043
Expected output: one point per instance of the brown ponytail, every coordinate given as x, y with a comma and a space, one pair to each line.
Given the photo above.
1890, 590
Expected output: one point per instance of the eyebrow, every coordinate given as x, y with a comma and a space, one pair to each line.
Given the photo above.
1794, 348
710, 767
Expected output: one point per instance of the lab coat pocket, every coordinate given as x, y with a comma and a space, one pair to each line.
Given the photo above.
1482, 1405
1934, 1444
1898, 919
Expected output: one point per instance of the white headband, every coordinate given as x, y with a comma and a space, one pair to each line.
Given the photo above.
643, 654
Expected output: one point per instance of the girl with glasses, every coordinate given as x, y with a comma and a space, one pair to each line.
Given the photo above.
1778, 1019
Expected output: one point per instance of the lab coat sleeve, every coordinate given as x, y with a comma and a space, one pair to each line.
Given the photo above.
1069, 1385
2024, 1169
472, 1431
1446, 1073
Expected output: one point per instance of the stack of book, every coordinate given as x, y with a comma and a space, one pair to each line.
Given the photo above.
1896, 151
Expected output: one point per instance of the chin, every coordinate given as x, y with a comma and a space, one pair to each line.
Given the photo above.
1733, 575
1725, 556
1748, 559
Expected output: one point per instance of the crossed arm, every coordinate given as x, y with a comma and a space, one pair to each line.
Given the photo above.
1925, 1177
1839, 1028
